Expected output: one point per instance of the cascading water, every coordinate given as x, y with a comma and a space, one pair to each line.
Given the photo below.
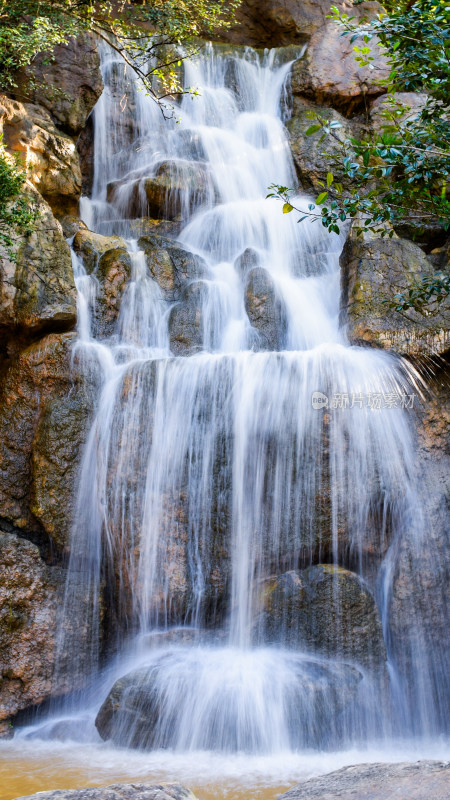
215, 498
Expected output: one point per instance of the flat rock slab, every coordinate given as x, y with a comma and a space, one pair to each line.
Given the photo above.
120, 791
423, 780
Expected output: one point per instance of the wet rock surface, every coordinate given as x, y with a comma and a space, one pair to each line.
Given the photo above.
171, 265
423, 780
265, 309
324, 609
31, 598
186, 322
373, 271
120, 791
139, 711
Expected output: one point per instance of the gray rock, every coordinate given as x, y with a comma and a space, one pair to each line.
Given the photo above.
67, 84
186, 322
373, 271
120, 791
265, 309
423, 780
323, 609
37, 291
139, 713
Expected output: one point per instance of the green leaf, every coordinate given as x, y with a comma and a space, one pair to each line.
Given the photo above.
329, 178
321, 198
312, 129
287, 208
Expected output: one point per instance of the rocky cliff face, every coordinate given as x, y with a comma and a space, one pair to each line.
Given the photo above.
46, 401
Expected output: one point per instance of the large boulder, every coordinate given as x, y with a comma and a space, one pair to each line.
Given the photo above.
323, 609
31, 597
421, 780
171, 265
44, 414
374, 269
119, 791
176, 190
274, 23
67, 82
37, 290
50, 155
329, 75
265, 309
151, 707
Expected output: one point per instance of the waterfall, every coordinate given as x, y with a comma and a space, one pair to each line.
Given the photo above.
253, 463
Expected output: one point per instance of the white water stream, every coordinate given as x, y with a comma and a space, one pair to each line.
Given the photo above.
205, 474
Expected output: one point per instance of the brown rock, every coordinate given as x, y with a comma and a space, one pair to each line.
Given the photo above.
329, 75
373, 271
31, 594
177, 189
39, 444
91, 246
67, 84
171, 265
273, 23
50, 155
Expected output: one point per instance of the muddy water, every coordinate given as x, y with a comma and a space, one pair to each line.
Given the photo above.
33, 766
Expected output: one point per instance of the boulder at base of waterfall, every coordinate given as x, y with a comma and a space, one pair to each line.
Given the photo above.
265, 309
31, 597
171, 266
119, 791
270, 23
50, 155
422, 780
45, 407
329, 74
324, 609
373, 271
150, 707
176, 190
37, 290
186, 322
309, 154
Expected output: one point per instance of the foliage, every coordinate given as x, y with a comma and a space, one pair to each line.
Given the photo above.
399, 172
16, 213
153, 36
